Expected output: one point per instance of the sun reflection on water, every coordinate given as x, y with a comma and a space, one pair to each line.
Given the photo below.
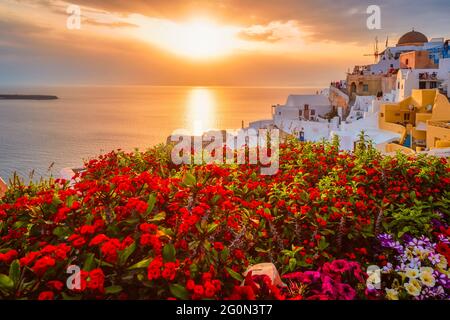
201, 110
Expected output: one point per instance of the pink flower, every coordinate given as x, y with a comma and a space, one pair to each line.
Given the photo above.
339, 266
345, 291
328, 286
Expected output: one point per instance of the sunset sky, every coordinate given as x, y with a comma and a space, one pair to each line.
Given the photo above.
202, 42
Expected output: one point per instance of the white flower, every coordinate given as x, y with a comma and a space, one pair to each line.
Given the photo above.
427, 279
391, 294
426, 270
413, 287
412, 273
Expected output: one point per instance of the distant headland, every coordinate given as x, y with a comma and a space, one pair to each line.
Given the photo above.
27, 97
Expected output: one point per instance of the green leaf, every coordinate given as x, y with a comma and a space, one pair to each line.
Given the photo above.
141, 264
113, 289
19, 224
6, 282
292, 264
60, 231
65, 296
126, 253
193, 269
189, 180
234, 274
89, 262
14, 271
160, 216
151, 203
303, 264
104, 263
167, 231
169, 253
224, 254
323, 244
215, 198
69, 201
212, 227
179, 291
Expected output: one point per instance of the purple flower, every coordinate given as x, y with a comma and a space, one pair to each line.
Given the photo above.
422, 243
434, 258
444, 239
387, 241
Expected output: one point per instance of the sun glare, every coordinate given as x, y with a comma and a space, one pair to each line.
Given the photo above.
200, 110
197, 39
201, 39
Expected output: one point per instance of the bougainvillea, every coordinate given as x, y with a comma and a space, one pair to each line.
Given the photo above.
140, 227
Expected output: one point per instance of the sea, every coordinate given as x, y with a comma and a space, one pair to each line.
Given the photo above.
39, 138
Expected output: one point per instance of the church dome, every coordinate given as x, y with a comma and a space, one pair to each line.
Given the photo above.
412, 38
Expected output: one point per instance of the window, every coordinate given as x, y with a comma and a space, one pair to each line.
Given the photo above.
365, 87
407, 61
398, 85
433, 85
422, 85
306, 107
313, 112
406, 117
382, 115
300, 114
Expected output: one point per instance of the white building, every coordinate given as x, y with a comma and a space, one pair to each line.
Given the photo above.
409, 79
349, 131
303, 107
410, 41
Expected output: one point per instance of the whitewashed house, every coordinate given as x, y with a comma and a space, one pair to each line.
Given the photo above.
303, 107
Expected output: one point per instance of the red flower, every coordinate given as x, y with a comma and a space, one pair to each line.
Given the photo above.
96, 280
46, 295
87, 230
148, 227
198, 290
109, 250
56, 285
321, 222
128, 241
154, 269
137, 204
42, 265
218, 246
190, 285
77, 240
8, 257
98, 239
169, 271
29, 258
61, 251
151, 240
210, 290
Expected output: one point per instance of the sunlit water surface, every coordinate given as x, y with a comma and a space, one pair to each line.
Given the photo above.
87, 121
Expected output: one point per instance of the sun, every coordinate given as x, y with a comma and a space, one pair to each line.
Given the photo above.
197, 39
203, 39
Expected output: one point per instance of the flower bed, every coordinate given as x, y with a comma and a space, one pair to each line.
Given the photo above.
140, 227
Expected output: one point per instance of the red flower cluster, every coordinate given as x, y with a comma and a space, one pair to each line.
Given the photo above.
136, 220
